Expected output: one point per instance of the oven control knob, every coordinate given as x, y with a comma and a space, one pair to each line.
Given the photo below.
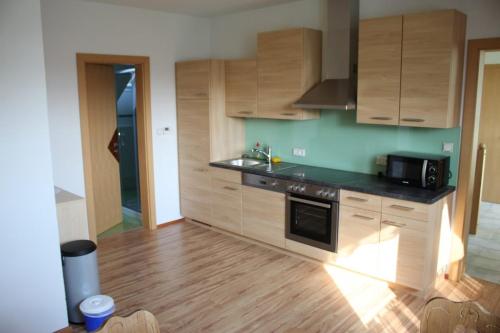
431, 179
432, 169
302, 188
290, 187
295, 187
325, 194
319, 193
331, 195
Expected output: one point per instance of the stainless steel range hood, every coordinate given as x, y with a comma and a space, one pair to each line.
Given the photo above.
338, 90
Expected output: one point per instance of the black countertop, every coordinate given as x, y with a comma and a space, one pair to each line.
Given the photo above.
353, 181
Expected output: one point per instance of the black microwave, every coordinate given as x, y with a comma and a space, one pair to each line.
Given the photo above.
419, 170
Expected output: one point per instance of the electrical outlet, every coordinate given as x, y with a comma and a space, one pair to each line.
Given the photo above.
381, 160
300, 152
447, 147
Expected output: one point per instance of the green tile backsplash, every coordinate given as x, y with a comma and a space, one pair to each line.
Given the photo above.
336, 141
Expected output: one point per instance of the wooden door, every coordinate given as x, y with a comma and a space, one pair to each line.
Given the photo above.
194, 155
101, 103
379, 70
489, 133
264, 215
358, 239
241, 88
431, 69
403, 250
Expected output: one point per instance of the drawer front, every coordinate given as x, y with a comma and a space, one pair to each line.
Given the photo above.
264, 216
361, 200
241, 108
358, 239
225, 175
226, 205
408, 209
404, 250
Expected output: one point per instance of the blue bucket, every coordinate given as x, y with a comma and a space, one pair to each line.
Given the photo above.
96, 310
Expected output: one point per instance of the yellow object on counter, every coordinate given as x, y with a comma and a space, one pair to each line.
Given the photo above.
276, 159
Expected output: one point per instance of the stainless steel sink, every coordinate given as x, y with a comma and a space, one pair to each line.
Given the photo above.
245, 162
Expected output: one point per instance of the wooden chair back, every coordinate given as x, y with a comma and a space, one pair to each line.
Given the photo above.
444, 316
138, 322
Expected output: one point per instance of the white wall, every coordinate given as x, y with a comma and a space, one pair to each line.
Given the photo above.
234, 35
71, 26
31, 282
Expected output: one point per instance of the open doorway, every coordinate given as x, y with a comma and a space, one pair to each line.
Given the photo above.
116, 139
483, 250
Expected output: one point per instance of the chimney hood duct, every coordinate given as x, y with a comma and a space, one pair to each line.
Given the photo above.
338, 90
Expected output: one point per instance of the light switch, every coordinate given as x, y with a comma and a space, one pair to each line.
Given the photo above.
300, 152
162, 130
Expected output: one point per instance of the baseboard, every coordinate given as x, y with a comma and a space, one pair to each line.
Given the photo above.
168, 224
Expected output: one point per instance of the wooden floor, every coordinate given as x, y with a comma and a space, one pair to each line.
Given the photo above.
197, 280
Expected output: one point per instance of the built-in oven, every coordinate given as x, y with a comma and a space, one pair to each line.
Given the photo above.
312, 215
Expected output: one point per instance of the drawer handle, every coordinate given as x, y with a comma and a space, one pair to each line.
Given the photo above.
288, 114
363, 217
357, 199
230, 188
381, 118
394, 224
413, 120
406, 209
200, 170
245, 112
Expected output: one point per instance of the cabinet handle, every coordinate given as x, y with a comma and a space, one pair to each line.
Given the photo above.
245, 112
406, 209
394, 224
363, 217
200, 170
413, 120
381, 118
357, 199
289, 114
230, 188
201, 94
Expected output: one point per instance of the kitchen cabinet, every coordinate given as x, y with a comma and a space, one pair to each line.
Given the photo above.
404, 250
431, 69
226, 199
264, 215
379, 70
288, 65
410, 69
396, 240
204, 132
358, 239
241, 88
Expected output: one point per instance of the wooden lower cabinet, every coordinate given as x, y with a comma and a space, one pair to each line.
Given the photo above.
195, 193
358, 240
226, 204
404, 250
264, 215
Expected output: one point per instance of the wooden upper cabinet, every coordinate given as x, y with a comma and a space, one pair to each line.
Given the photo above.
432, 67
193, 79
241, 88
379, 70
288, 65
410, 69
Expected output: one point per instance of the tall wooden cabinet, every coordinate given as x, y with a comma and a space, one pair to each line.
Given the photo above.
288, 65
410, 69
204, 132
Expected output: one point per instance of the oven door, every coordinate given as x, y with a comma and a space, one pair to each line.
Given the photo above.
312, 221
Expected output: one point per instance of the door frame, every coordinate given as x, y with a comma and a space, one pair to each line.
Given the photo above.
468, 153
144, 134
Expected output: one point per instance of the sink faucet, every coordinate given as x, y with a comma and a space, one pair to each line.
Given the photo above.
267, 154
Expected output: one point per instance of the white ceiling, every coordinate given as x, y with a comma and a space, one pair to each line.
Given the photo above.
196, 7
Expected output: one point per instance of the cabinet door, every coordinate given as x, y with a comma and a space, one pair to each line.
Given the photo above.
241, 88
194, 154
379, 70
264, 216
358, 239
226, 205
403, 250
431, 73
192, 79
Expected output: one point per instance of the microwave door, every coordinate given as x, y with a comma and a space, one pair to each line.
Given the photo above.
424, 173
